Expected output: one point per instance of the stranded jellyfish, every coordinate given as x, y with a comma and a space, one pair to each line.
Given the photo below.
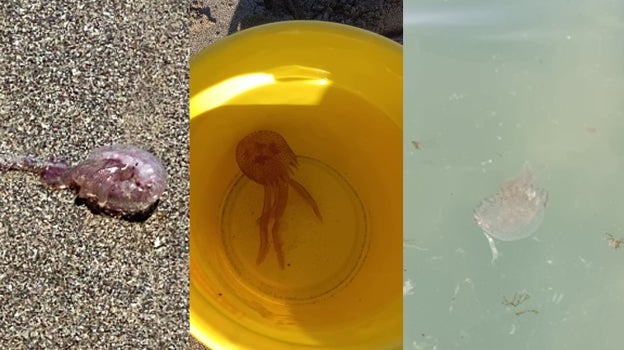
118, 180
514, 212
265, 158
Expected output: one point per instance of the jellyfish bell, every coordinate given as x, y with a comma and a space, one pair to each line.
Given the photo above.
510, 218
515, 212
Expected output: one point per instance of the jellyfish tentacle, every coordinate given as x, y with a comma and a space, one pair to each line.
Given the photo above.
57, 175
263, 222
280, 206
306, 196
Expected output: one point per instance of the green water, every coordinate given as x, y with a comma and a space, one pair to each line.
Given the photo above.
489, 87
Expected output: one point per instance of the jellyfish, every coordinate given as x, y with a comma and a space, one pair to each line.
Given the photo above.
264, 157
515, 212
117, 180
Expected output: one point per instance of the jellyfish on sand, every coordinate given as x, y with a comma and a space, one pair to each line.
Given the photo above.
514, 212
265, 157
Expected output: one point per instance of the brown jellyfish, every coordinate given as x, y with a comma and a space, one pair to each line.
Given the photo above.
265, 157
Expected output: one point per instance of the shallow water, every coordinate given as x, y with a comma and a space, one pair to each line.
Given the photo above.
491, 86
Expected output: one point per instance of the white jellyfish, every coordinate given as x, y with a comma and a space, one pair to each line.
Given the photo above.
514, 212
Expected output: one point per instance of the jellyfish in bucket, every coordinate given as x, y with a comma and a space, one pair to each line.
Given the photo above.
265, 157
515, 212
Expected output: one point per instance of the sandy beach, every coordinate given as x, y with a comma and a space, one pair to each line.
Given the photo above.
213, 20
75, 76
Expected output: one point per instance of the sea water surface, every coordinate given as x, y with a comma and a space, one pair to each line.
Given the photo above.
493, 88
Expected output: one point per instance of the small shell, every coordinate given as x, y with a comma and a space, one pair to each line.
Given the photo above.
119, 179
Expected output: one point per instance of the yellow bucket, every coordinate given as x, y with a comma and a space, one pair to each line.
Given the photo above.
334, 93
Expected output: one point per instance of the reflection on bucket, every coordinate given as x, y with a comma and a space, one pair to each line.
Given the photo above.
319, 257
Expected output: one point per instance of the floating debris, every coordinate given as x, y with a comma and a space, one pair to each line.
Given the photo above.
408, 243
614, 243
408, 288
458, 289
516, 300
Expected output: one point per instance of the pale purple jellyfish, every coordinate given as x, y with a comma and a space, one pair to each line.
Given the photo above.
118, 180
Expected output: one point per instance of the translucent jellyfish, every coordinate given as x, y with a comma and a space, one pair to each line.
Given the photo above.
118, 180
514, 212
265, 157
